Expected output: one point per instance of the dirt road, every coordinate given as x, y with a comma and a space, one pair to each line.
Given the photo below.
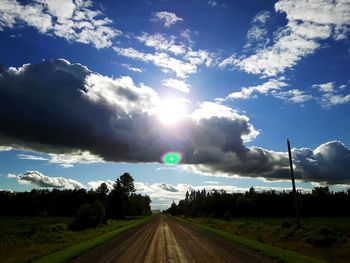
165, 239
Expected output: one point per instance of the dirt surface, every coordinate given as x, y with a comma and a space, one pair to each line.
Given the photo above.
165, 239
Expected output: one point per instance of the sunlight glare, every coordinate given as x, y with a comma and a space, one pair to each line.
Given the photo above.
171, 110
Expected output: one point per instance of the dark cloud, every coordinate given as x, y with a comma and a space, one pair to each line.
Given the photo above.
58, 107
330, 162
167, 187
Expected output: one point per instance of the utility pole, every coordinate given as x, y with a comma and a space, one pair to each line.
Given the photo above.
295, 194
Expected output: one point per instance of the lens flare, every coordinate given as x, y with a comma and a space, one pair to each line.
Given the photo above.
171, 158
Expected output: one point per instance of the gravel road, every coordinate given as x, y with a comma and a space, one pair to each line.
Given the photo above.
165, 239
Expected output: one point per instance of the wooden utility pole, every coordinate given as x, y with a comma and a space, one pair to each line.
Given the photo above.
295, 194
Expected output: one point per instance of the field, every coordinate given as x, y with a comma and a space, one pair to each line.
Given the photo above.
24, 239
326, 239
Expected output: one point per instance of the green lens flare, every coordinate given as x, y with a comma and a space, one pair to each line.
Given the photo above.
172, 158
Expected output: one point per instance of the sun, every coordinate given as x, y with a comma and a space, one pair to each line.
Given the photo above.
171, 111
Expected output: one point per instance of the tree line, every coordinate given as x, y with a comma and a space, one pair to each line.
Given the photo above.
90, 207
320, 202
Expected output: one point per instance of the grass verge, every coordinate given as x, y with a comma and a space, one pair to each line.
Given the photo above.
76, 250
277, 253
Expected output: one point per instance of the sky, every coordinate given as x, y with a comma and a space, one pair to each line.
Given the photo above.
90, 90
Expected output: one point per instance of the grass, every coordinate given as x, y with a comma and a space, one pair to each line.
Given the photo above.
320, 239
41, 239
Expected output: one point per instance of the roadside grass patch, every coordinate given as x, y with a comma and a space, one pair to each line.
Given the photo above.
319, 239
26, 239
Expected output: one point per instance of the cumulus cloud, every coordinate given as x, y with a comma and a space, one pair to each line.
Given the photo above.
73, 21
95, 184
92, 118
167, 18
176, 84
38, 179
309, 22
315, 165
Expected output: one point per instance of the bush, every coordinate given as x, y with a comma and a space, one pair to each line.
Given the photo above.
89, 216
286, 224
322, 237
227, 215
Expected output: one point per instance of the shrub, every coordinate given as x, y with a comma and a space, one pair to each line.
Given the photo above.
89, 216
227, 215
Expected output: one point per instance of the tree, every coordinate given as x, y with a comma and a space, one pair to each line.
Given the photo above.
102, 191
127, 183
320, 191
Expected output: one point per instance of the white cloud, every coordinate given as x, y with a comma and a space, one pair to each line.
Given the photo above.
134, 69
64, 9
251, 92
257, 35
199, 57
32, 157
186, 35
67, 160
211, 182
208, 110
292, 96
331, 95
74, 21
161, 42
120, 93
309, 22
167, 18
95, 184
212, 3
38, 179
5, 148
316, 11
161, 60
288, 49
162, 168
176, 84
330, 99
229, 61
325, 87
171, 53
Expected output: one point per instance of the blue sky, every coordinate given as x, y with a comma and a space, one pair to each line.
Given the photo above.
89, 90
